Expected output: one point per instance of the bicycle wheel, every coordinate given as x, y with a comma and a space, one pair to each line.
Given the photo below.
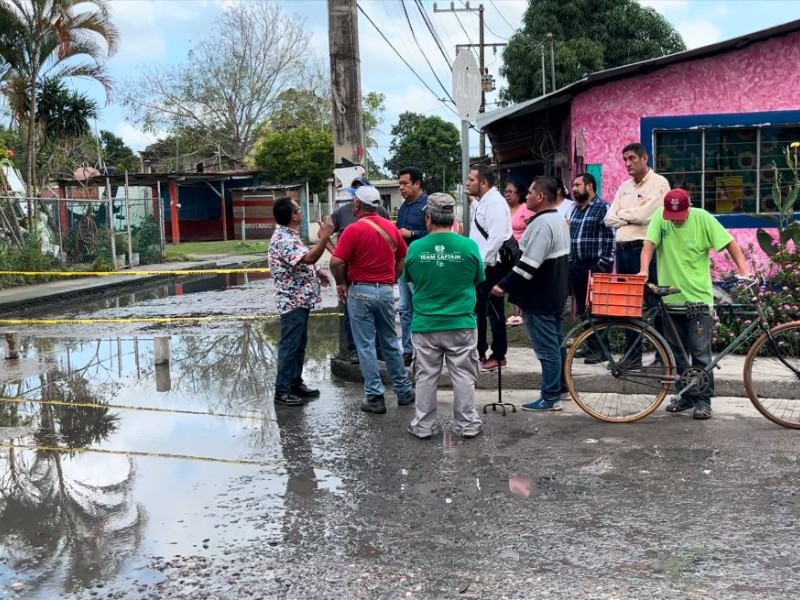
609, 378
772, 375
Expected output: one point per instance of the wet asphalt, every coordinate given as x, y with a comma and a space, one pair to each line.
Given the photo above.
216, 494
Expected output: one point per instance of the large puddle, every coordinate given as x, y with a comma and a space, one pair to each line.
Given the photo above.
107, 457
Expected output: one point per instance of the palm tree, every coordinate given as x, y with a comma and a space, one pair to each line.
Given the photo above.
54, 39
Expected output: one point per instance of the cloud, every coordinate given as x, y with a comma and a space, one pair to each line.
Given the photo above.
666, 6
135, 138
699, 33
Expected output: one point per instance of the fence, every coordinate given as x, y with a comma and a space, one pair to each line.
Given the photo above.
78, 231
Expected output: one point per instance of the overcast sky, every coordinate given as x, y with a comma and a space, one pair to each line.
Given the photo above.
162, 31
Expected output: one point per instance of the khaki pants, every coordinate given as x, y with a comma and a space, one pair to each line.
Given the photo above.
458, 350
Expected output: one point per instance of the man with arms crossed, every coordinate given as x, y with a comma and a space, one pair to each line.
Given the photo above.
445, 268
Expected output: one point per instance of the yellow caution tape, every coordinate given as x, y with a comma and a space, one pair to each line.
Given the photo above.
208, 319
135, 273
231, 461
22, 400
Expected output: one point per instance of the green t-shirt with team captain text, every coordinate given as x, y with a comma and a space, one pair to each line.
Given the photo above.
444, 269
682, 253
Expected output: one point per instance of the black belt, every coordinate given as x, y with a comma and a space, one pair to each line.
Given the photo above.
633, 244
375, 283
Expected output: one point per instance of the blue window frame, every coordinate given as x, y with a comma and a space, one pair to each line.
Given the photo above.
725, 161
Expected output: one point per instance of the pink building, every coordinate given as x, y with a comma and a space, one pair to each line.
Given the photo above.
714, 120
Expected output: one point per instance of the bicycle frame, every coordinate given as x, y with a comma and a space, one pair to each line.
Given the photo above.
654, 309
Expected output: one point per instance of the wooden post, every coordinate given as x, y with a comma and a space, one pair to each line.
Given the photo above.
12, 345
173, 212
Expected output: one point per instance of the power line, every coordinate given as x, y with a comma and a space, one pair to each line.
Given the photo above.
513, 29
434, 33
405, 62
486, 26
424, 55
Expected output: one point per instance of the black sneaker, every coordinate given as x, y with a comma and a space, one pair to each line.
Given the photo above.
410, 399
407, 359
288, 399
374, 404
301, 390
353, 357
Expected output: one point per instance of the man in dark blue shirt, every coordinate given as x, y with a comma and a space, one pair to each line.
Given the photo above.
411, 223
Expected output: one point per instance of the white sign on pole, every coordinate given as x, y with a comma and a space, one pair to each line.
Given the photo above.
467, 85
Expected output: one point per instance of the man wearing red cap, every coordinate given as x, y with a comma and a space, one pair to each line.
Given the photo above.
682, 237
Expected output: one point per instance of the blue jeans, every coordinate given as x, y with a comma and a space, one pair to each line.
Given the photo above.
546, 336
406, 312
292, 349
694, 333
371, 309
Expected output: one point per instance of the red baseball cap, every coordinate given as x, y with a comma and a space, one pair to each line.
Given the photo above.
676, 205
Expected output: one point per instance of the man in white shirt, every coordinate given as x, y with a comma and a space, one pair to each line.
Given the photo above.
490, 227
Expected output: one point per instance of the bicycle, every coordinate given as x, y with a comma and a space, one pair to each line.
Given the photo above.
634, 382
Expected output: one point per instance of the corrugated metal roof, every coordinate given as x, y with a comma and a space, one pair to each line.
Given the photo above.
566, 93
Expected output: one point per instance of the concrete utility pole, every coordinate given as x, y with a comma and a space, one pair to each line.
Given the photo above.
551, 41
480, 45
348, 123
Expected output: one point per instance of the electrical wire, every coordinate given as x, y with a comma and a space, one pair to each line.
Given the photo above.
405, 62
434, 33
424, 55
513, 29
485, 25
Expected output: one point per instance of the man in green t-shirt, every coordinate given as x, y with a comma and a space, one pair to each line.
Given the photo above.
682, 237
445, 268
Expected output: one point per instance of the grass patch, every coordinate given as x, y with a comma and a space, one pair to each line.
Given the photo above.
231, 247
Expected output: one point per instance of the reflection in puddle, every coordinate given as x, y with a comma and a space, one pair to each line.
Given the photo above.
71, 516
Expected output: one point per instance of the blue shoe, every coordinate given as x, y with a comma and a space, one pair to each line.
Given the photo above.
541, 405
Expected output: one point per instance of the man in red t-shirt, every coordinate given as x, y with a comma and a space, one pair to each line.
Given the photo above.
367, 261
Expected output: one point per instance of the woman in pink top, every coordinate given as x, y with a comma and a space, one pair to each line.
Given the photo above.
515, 197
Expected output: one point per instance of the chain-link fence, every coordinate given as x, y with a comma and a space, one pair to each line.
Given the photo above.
77, 231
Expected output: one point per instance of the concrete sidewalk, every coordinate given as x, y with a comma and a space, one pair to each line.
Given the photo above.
523, 372
37, 297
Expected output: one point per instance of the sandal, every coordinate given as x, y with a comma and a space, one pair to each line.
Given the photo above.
702, 411
514, 321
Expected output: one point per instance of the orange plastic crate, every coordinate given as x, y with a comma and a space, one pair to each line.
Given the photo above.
614, 295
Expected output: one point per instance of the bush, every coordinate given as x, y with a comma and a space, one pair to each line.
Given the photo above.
28, 258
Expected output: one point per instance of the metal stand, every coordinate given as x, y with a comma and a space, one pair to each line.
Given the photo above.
499, 402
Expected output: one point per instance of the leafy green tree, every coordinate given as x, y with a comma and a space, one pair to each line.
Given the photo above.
297, 107
58, 39
589, 36
295, 155
430, 143
117, 153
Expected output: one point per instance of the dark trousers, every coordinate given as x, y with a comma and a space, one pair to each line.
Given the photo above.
493, 308
628, 262
292, 349
694, 333
579, 283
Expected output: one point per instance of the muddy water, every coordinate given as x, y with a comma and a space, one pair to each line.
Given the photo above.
110, 461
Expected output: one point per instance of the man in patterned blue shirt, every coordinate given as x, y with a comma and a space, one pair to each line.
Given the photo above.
591, 240
296, 286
